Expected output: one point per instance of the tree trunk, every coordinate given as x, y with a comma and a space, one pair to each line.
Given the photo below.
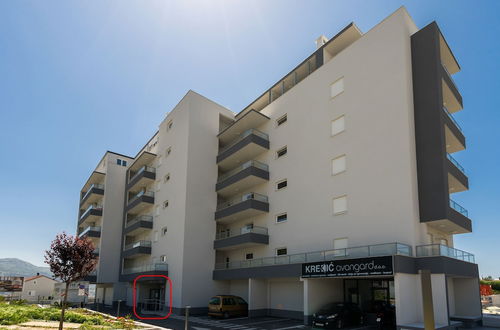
63, 307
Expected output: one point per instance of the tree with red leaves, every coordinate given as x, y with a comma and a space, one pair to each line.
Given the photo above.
70, 259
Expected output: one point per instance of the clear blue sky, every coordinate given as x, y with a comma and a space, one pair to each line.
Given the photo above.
80, 77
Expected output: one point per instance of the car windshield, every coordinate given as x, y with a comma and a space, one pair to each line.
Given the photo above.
333, 307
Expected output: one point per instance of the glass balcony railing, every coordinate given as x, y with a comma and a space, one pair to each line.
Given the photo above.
241, 231
142, 169
456, 163
432, 250
93, 273
449, 75
90, 208
243, 166
146, 268
242, 198
90, 228
140, 194
452, 119
137, 219
244, 135
137, 244
92, 186
386, 249
457, 207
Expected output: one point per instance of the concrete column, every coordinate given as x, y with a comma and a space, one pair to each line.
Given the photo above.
428, 308
257, 297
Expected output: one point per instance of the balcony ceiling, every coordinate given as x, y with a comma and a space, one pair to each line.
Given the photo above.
454, 185
447, 57
146, 158
95, 177
252, 119
447, 226
453, 144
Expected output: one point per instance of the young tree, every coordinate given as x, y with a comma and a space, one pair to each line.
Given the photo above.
70, 259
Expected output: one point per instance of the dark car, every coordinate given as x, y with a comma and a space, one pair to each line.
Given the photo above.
385, 314
337, 316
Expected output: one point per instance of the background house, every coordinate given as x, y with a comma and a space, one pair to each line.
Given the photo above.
38, 288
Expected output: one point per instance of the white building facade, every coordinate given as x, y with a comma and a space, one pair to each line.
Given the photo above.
334, 185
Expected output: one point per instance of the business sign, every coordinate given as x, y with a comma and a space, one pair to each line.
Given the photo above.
374, 266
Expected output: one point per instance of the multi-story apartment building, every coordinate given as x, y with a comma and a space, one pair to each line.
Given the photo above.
334, 185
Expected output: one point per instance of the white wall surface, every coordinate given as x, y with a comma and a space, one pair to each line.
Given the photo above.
319, 292
257, 294
439, 298
286, 294
408, 298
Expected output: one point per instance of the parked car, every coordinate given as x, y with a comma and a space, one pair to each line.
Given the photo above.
337, 316
226, 306
385, 314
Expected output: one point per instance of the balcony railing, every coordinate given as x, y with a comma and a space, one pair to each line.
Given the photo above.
243, 166
96, 251
242, 198
90, 228
137, 244
457, 207
91, 207
92, 186
137, 219
162, 267
456, 163
432, 250
354, 252
140, 194
452, 119
244, 135
142, 169
241, 231
449, 75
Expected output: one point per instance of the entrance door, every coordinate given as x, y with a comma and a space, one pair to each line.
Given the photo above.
154, 299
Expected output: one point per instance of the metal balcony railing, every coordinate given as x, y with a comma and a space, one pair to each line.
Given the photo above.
92, 186
148, 218
457, 207
137, 244
385, 249
142, 169
242, 198
241, 231
452, 119
146, 268
244, 135
91, 207
432, 250
140, 194
243, 166
90, 228
456, 163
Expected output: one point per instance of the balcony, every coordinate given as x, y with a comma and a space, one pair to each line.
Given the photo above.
242, 207
457, 180
92, 277
141, 178
91, 232
138, 225
140, 202
377, 250
247, 146
452, 99
454, 137
242, 237
137, 249
458, 208
435, 250
455, 220
130, 273
92, 213
96, 252
93, 194
242, 178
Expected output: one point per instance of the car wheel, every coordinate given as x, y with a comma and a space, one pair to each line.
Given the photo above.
340, 324
226, 315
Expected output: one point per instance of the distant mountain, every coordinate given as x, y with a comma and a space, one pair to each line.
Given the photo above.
18, 267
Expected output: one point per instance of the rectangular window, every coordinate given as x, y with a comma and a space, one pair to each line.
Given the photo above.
340, 205
165, 204
338, 125
281, 217
249, 256
281, 184
124, 163
337, 87
163, 258
119, 161
281, 120
339, 165
281, 251
281, 152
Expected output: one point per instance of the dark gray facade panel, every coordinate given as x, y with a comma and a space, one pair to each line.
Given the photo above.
292, 270
132, 277
136, 250
241, 239
252, 138
93, 190
142, 199
250, 171
451, 85
454, 129
94, 212
245, 205
459, 219
459, 175
139, 224
437, 265
144, 174
90, 278
93, 233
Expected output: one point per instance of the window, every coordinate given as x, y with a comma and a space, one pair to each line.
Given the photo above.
281, 251
214, 301
163, 258
169, 125
169, 151
249, 256
228, 301
340, 205
338, 125
339, 165
281, 120
281, 152
118, 161
281, 217
281, 184
165, 204
337, 87
124, 163
166, 178
164, 231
